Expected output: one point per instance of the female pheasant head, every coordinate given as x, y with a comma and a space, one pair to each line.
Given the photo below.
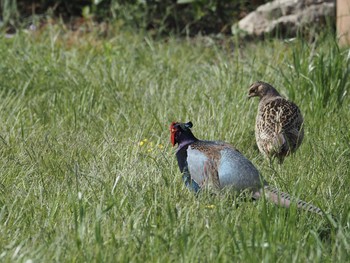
181, 133
262, 89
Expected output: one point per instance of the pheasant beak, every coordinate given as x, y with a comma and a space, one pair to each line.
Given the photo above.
252, 93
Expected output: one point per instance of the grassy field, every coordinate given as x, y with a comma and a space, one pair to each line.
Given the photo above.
88, 173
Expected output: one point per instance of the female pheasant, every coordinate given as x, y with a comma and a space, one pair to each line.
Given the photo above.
218, 164
279, 127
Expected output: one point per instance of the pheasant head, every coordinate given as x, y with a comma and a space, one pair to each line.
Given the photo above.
261, 89
181, 133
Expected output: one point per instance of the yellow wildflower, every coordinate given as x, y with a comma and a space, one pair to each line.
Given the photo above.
143, 142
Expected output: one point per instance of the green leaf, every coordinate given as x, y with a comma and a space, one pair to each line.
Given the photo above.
185, 1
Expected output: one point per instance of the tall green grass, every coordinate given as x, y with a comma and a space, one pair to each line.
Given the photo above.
88, 174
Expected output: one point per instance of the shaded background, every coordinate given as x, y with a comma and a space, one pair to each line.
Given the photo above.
181, 17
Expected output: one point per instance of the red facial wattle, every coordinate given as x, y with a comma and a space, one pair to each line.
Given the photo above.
172, 133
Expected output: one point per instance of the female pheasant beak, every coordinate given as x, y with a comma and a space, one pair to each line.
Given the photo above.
253, 92
250, 95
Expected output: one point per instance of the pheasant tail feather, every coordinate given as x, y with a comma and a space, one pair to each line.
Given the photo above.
283, 199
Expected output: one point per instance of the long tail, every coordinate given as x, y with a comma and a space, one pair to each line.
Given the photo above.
283, 199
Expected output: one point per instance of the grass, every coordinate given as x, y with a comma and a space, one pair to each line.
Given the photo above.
88, 173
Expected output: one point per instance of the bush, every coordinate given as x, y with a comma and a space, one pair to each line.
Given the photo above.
185, 17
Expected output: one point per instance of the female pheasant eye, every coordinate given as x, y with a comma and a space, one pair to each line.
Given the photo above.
253, 90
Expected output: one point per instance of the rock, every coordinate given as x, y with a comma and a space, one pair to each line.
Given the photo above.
343, 22
285, 17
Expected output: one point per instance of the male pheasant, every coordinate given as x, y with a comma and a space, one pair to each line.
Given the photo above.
279, 127
218, 164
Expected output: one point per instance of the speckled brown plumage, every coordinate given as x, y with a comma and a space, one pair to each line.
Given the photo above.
279, 127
